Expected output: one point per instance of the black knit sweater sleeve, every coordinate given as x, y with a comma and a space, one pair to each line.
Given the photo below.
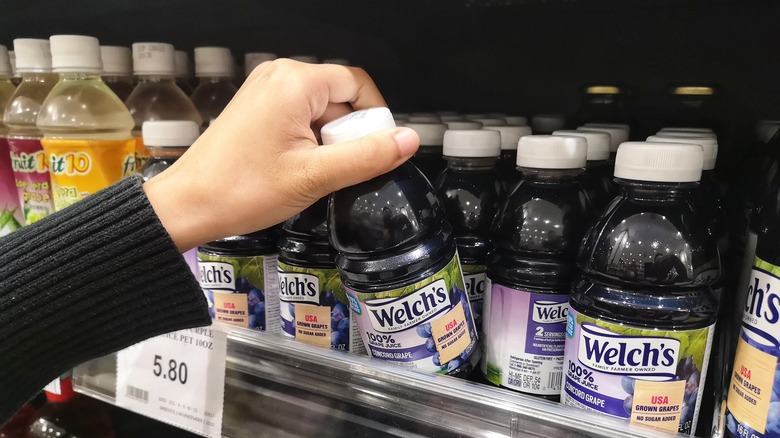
91, 279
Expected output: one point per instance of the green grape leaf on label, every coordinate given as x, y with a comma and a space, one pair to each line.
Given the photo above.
334, 285
253, 269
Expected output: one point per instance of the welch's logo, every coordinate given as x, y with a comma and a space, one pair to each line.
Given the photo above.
762, 308
299, 288
612, 353
217, 276
550, 312
389, 315
475, 285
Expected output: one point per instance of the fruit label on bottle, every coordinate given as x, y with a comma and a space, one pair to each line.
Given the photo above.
314, 308
525, 338
475, 279
241, 290
426, 325
31, 175
79, 168
141, 154
605, 362
753, 404
11, 214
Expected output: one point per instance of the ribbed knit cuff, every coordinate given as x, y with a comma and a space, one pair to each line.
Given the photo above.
91, 279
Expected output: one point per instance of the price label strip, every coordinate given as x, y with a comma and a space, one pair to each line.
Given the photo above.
177, 378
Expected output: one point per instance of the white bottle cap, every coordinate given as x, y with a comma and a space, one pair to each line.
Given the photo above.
488, 121
473, 143
475, 116
357, 124
624, 126
598, 142
685, 129
687, 134
337, 61
117, 60
213, 61
659, 162
424, 119
452, 118
766, 129
710, 146
305, 58
617, 135
75, 54
32, 55
510, 135
551, 152
10, 59
516, 120
253, 59
547, 122
461, 125
170, 133
448, 113
153, 59
181, 64
431, 134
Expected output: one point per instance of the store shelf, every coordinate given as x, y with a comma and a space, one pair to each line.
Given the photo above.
277, 387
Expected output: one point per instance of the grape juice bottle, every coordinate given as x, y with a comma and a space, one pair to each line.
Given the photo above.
642, 313
471, 192
597, 179
117, 70
156, 97
11, 213
214, 67
85, 127
534, 240
507, 163
398, 261
313, 303
31, 169
428, 157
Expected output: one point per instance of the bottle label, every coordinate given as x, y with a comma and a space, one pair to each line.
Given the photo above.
314, 308
241, 290
650, 377
524, 343
79, 168
753, 404
476, 282
426, 325
141, 154
11, 214
31, 174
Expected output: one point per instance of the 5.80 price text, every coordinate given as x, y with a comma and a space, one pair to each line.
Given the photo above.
177, 371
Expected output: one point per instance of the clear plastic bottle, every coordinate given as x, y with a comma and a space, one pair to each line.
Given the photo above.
534, 240
31, 169
71, 415
214, 67
183, 71
393, 242
428, 157
641, 316
11, 213
85, 127
118, 70
156, 97
597, 179
507, 164
471, 192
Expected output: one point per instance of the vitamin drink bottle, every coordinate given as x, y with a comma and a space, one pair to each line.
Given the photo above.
507, 163
642, 313
156, 97
85, 127
398, 261
534, 240
214, 67
597, 179
117, 70
428, 157
11, 211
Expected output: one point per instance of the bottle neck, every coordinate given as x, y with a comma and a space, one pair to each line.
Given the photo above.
111, 79
167, 151
213, 79
155, 78
471, 163
79, 76
549, 175
65, 393
38, 77
655, 191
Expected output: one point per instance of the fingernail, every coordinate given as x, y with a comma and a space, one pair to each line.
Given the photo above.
407, 141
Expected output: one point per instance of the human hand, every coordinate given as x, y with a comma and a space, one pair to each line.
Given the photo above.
259, 162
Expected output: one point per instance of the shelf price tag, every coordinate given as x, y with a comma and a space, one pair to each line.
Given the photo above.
177, 378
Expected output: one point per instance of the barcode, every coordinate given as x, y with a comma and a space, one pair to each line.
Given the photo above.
555, 380
138, 393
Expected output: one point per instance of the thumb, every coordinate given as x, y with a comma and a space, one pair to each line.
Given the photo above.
345, 164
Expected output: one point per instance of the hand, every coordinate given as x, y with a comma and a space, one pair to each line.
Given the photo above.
259, 162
